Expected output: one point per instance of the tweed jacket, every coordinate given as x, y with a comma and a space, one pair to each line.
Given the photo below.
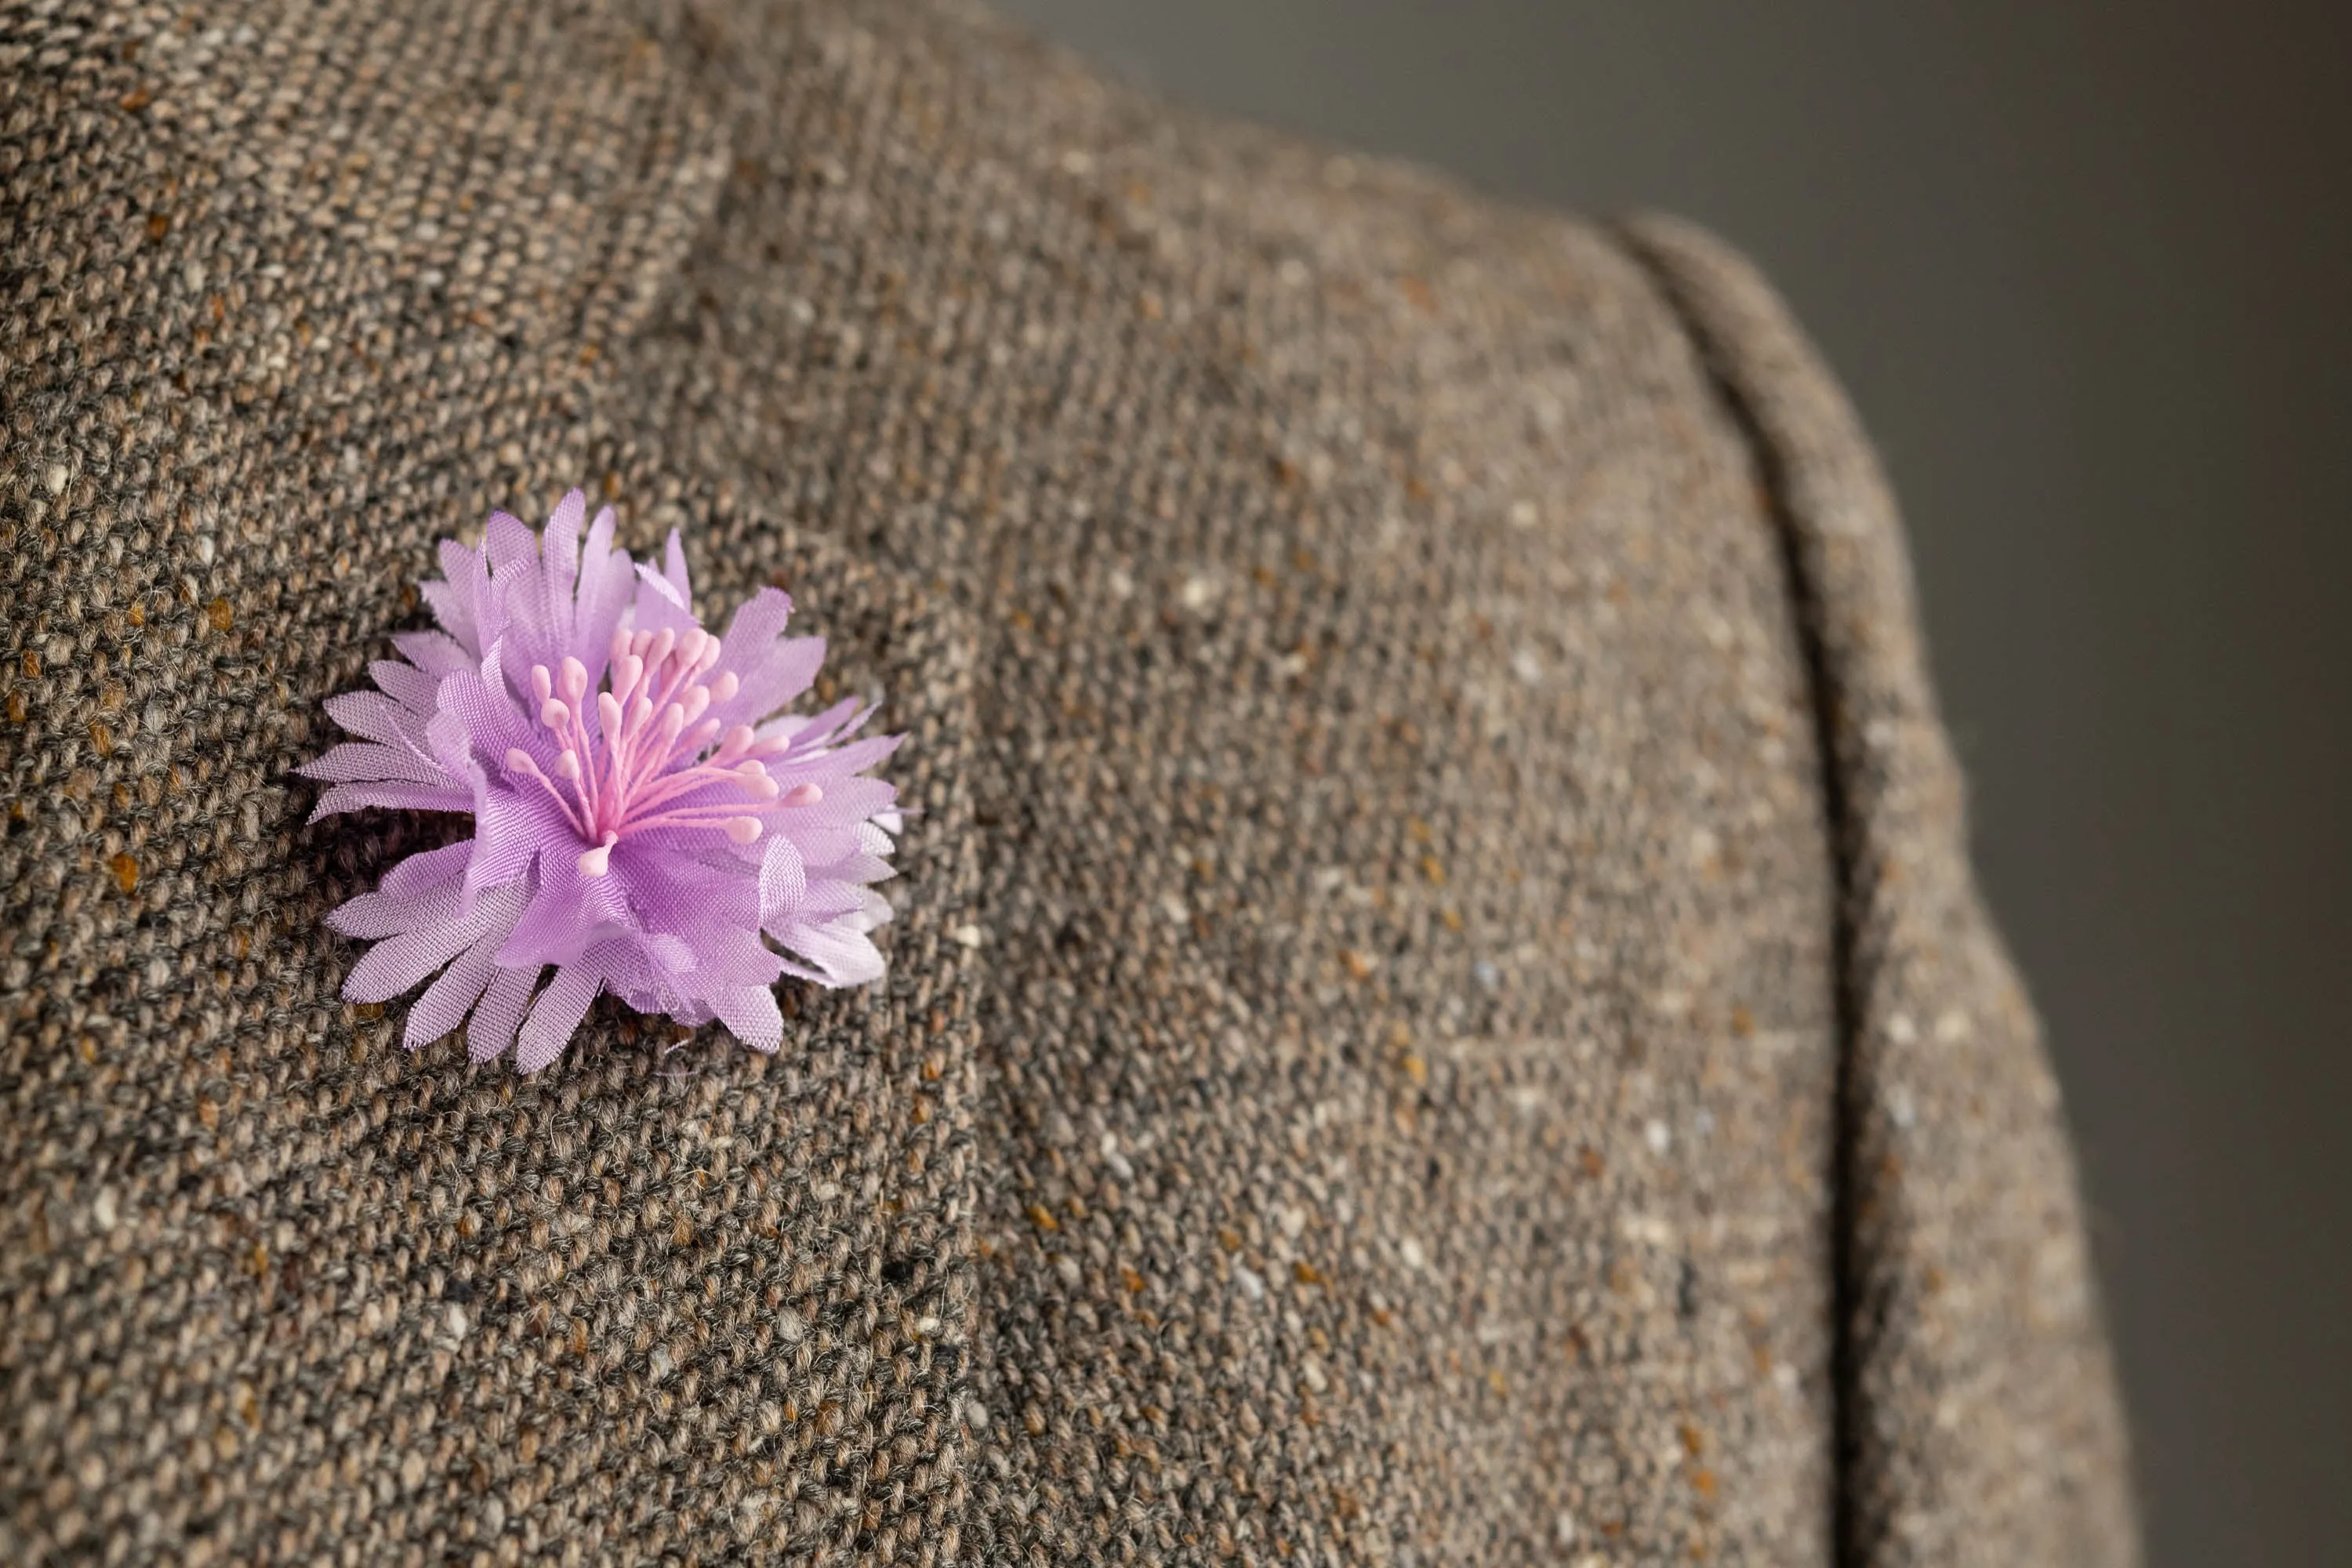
1437, 1011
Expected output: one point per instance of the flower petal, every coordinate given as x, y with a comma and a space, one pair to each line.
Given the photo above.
404, 683
511, 826
390, 797
773, 680
556, 1016
400, 960
499, 1013
752, 1015
447, 1000
365, 762
569, 912
605, 575
436, 653
373, 716
508, 542
783, 878
559, 558
840, 957
424, 873
758, 624
847, 803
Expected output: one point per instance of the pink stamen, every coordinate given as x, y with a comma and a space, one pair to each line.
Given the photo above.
597, 861
654, 747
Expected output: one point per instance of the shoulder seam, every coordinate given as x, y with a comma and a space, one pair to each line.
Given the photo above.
1804, 598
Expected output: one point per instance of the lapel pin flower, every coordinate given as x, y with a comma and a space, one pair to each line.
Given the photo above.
647, 819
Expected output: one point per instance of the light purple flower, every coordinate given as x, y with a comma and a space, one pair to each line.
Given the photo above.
645, 821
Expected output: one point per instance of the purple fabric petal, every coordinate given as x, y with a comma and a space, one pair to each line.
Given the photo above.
373, 716
853, 758
758, 623
560, 562
779, 675
400, 960
436, 653
492, 719
784, 878
827, 901
659, 606
426, 872
510, 827
404, 683
499, 1013
860, 868
372, 917
607, 576
461, 600
508, 541
448, 999
453, 611
839, 956
729, 954
389, 797
364, 762
846, 802
750, 1013
569, 913
557, 1014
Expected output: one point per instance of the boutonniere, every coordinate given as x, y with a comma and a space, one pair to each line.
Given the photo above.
647, 821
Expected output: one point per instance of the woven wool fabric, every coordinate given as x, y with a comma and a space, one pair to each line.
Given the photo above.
1437, 1012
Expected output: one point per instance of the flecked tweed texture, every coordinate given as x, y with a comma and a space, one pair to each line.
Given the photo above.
1437, 1012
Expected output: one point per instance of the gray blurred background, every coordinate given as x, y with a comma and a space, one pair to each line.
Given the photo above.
2084, 269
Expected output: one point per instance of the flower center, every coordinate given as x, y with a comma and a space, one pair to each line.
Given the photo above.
647, 756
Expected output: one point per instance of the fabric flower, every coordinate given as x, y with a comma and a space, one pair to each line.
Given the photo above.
645, 821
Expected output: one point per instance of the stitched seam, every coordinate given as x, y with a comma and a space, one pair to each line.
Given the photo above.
1805, 602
